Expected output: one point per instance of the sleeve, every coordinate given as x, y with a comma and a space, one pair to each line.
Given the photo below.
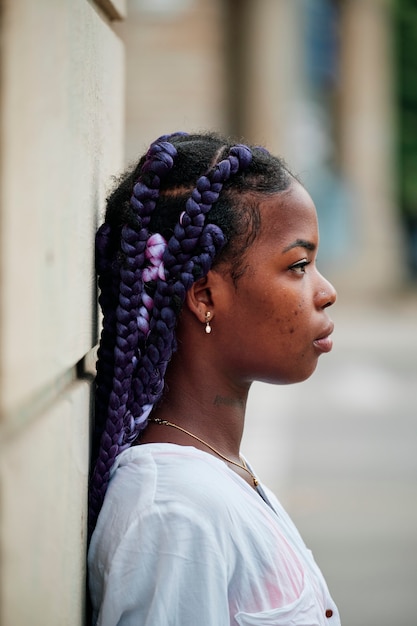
168, 570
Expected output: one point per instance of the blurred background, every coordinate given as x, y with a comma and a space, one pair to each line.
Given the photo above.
331, 85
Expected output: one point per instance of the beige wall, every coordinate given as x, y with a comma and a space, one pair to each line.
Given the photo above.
273, 82
175, 69
367, 141
61, 139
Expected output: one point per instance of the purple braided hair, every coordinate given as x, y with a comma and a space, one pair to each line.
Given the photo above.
142, 296
121, 302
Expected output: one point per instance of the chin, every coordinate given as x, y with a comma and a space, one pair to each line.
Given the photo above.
309, 373
300, 375
289, 379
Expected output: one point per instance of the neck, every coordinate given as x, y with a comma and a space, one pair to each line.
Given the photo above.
213, 412
218, 419
200, 394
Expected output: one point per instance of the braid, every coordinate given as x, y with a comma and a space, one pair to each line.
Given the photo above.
148, 260
121, 332
108, 283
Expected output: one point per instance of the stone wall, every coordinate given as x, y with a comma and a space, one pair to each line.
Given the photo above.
62, 95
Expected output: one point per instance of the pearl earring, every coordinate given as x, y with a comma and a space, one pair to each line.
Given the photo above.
207, 320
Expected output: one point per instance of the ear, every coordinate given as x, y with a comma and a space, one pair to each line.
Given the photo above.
204, 295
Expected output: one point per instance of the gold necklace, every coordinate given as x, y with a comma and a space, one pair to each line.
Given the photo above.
243, 465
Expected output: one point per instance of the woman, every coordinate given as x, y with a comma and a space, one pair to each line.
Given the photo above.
206, 265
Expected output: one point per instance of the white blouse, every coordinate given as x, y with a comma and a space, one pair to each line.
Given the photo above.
182, 540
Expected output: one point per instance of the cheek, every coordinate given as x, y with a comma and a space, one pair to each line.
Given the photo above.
289, 318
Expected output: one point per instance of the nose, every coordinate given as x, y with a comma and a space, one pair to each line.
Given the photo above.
326, 294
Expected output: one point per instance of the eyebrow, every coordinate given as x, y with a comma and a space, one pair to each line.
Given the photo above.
301, 243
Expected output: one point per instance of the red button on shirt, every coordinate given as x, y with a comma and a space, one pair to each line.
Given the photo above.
329, 613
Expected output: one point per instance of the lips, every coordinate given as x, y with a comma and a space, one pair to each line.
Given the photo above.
324, 343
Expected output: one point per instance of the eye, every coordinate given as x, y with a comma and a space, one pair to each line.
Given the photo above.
300, 266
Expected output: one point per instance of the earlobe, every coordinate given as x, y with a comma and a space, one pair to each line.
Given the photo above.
198, 298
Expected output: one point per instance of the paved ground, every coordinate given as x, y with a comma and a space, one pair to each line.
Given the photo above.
340, 451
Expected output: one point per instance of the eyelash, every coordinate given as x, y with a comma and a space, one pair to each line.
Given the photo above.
300, 265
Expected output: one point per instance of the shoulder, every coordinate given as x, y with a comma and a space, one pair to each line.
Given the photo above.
167, 495
155, 480
157, 536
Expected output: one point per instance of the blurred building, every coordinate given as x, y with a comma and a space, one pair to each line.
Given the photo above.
310, 79
313, 80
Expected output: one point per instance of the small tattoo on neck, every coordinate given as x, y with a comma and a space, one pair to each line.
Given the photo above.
222, 400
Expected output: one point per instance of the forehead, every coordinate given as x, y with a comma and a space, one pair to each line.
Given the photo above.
289, 215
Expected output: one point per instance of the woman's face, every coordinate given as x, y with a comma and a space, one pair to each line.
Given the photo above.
274, 323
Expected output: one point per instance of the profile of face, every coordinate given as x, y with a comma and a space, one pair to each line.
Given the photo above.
241, 244
273, 324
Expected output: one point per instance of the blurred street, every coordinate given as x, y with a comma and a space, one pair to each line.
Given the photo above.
340, 452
